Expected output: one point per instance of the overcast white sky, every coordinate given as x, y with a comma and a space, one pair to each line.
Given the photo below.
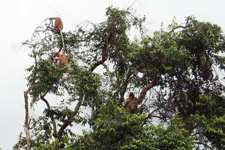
20, 17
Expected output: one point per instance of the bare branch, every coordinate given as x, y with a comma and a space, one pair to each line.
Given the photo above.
132, 5
51, 116
109, 74
20, 140
26, 123
183, 27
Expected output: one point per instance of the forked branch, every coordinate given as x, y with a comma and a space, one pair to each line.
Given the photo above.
105, 51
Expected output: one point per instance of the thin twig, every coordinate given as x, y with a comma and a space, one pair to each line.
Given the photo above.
20, 141
132, 5
183, 27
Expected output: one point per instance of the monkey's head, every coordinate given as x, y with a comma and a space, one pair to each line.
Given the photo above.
131, 95
57, 54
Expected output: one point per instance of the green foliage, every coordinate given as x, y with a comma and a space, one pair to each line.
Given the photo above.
117, 129
172, 137
173, 72
215, 131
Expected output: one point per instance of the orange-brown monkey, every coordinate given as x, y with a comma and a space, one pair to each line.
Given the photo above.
131, 104
61, 60
58, 25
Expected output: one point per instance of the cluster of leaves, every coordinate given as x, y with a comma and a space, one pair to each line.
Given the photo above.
177, 68
126, 131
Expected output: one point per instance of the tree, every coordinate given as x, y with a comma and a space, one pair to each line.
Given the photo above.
174, 74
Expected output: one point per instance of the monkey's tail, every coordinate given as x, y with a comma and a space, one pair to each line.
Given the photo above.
62, 39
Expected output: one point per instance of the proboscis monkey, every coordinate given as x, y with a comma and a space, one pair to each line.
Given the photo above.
60, 60
58, 25
131, 103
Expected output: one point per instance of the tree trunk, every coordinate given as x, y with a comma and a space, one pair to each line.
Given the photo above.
26, 124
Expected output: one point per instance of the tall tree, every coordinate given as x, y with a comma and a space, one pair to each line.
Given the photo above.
173, 73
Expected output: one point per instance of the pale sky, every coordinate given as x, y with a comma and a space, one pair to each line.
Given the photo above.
20, 17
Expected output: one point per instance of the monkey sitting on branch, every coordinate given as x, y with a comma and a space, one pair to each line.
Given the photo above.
131, 104
60, 60
58, 27
58, 24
